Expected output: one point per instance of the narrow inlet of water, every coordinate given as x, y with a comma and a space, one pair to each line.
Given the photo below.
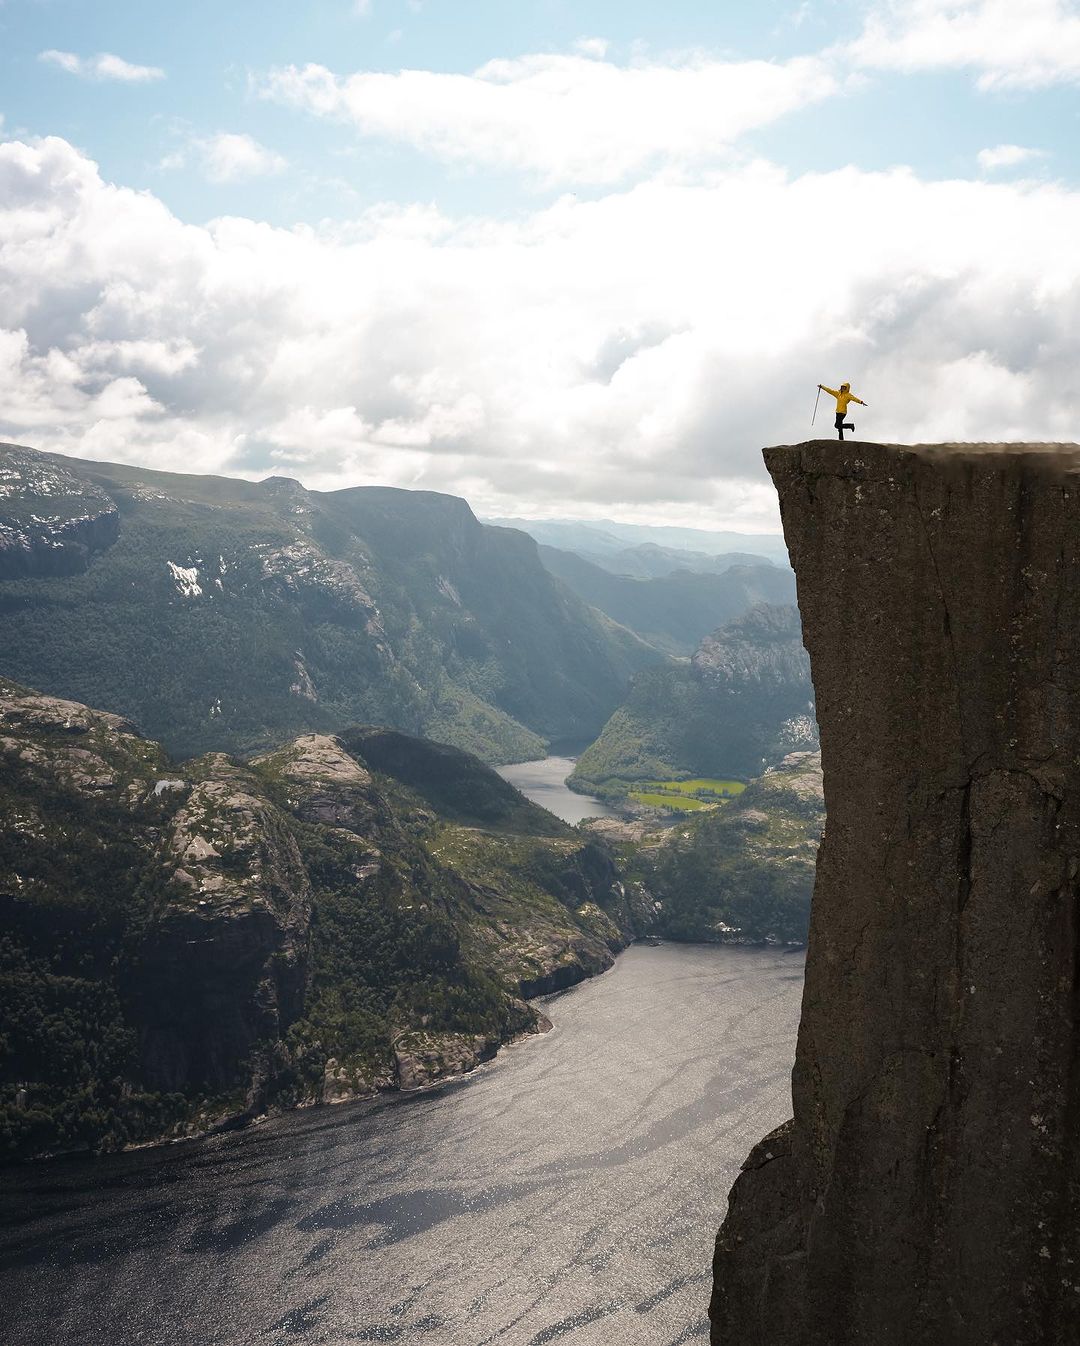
544, 782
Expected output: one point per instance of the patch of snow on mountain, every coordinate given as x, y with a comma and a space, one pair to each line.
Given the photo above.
186, 579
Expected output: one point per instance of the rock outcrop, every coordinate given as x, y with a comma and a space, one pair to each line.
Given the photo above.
927, 1192
221, 974
51, 521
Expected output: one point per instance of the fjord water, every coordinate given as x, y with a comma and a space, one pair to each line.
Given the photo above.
544, 782
566, 1192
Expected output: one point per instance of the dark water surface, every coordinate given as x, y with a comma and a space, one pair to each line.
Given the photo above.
544, 782
567, 1192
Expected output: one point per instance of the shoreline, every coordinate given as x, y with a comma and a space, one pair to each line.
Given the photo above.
246, 1119
387, 1097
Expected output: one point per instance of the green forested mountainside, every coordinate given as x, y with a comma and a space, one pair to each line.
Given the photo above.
672, 611
745, 872
744, 700
222, 614
741, 873
188, 944
448, 781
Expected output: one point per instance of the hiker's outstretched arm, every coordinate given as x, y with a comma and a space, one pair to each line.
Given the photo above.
826, 389
859, 400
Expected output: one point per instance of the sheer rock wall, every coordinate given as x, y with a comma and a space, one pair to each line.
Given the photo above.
928, 1190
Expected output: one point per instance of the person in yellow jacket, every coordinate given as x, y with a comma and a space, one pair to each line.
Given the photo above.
844, 397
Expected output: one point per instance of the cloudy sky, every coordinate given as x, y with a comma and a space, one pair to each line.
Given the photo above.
563, 257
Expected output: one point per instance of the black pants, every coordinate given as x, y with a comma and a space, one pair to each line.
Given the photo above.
842, 425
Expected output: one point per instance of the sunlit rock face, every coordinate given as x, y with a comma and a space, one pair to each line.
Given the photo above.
928, 1190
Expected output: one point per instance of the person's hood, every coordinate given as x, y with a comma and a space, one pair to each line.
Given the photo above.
845, 387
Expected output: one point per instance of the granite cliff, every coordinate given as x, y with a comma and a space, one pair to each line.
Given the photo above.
927, 1190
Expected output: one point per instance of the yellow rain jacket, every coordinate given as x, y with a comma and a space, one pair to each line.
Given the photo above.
844, 397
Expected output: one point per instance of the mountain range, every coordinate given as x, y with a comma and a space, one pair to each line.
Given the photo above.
648, 560
249, 859
226, 614
674, 610
604, 536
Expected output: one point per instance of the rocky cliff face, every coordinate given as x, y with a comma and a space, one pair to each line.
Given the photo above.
928, 1189
51, 523
221, 974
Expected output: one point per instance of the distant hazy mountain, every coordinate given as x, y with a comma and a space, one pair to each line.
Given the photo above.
187, 943
221, 614
743, 702
648, 561
672, 611
607, 535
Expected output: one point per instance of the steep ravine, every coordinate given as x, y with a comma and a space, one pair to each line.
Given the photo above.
928, 1190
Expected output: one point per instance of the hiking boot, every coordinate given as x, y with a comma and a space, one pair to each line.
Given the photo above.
848, 425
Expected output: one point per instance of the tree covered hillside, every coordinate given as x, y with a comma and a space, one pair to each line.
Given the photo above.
187, 945
743, 701
223, 614
745, 873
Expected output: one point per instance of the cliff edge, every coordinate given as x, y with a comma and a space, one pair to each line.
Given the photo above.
927, 1191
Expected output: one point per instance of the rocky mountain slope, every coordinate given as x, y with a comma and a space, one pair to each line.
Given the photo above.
927, 1192
672, 611
743, 701
222, 614
187, 945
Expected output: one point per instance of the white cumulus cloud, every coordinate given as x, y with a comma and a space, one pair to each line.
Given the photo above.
1007, 156
228, 157
564, 118
631, 353
104, 66
1006, 44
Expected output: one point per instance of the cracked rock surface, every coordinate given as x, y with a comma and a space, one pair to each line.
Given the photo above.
928, 1190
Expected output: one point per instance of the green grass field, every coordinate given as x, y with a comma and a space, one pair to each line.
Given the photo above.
686, 796
723, 788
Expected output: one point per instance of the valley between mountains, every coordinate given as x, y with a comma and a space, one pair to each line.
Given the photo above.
254, 854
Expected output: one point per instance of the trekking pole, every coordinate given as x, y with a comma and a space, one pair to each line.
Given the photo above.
817, 399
